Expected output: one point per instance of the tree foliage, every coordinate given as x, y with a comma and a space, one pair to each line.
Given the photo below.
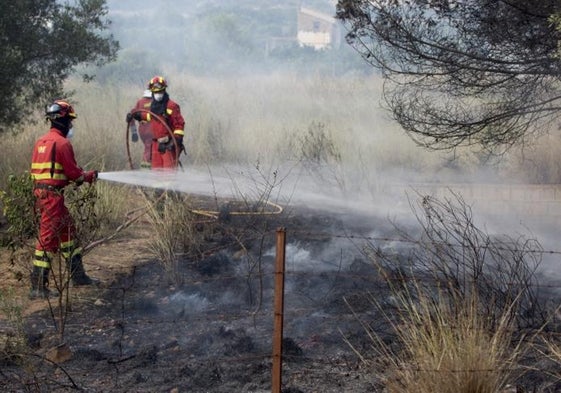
478, 72
42, 42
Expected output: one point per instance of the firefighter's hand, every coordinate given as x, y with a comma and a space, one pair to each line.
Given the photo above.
137, 116
163, 143
179, 141
129, 117
90, 176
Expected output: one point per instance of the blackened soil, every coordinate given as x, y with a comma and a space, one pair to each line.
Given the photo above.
208, 324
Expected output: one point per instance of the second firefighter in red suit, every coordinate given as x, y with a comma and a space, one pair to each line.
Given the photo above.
165, 150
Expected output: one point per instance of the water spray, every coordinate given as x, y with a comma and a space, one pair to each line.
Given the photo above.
196, 182
193, 182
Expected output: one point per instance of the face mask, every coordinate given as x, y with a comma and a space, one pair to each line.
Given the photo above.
158, 96
70, 133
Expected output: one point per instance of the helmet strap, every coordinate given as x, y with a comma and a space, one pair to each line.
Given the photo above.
62, 124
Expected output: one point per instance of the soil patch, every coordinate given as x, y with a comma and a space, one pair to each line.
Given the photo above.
138, 332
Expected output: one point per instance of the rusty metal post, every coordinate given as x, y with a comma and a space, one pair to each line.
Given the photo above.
279, 310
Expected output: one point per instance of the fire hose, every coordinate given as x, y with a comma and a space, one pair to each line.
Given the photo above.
225, 211
153, 117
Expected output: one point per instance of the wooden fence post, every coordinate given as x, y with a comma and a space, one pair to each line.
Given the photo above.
279, 310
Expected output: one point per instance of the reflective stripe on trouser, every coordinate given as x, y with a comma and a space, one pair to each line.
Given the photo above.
68, 251
43, 259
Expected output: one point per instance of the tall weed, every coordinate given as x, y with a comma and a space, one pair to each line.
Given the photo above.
458, 305
173, 232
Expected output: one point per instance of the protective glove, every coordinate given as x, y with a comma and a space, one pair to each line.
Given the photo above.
169, 145
134, 132
163, 143
137, 116
162, 147
90, 176
129, 117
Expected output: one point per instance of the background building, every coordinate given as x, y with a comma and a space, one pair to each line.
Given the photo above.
318, 30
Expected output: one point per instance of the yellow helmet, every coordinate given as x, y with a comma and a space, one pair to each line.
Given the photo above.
59, 109
157, 83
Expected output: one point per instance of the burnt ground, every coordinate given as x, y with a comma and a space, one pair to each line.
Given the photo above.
140, 331
209, 328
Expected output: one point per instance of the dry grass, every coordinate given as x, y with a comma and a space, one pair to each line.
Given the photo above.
250, 119
245, 120
253, 119
173, 232
463, 307
443, 345
449, 348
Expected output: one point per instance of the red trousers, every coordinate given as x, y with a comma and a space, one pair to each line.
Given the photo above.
165, 160
56, 226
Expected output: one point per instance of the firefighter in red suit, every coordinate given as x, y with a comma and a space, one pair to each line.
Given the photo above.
53, 167
143, 129
165, 150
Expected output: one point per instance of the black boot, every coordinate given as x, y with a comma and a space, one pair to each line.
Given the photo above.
78, 274
40, 284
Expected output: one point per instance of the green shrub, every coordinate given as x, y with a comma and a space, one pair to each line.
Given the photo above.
17, 207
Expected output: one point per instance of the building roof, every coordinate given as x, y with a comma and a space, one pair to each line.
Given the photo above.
317, 14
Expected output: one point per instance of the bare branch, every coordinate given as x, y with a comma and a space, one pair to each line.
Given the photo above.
462, 72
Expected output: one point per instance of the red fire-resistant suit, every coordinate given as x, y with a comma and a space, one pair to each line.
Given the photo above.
53, 166
144, 130
164, 158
